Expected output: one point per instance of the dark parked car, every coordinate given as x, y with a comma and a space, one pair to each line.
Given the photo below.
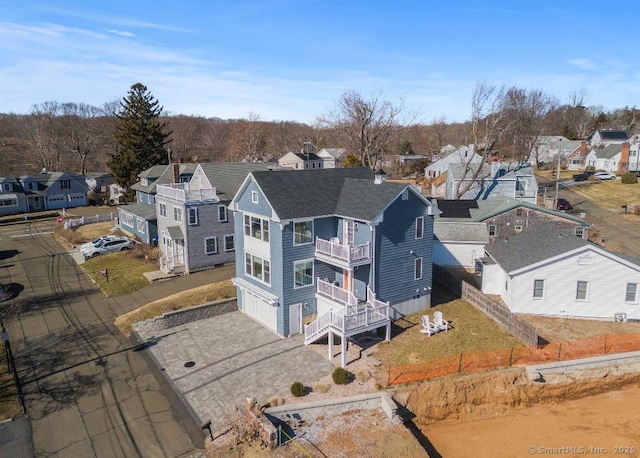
564, 204
581, 177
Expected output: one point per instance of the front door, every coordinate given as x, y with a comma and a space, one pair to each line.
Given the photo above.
348, 232
179, 252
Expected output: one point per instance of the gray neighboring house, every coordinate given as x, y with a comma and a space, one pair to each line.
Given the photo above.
507, 179
466, 227
195, 229
45, 191
140, 219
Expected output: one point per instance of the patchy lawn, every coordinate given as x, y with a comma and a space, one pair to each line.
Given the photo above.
470, 331
610, 194
563, 329
126, 269
190, 298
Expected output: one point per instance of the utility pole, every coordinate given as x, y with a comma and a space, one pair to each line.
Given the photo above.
555, 201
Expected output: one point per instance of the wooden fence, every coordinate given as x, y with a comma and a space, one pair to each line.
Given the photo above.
515, 356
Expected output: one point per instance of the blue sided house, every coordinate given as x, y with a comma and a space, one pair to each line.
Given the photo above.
341, 250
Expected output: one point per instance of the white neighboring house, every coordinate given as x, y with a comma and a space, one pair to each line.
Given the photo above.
605, 137
551, 272
634, 153
301, 161
459, 244
464, 154
606, 158
549, 147
332, 157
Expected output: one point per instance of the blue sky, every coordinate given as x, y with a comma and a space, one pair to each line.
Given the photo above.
292, 59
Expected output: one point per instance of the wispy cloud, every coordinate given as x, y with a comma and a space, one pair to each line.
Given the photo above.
121, 33
583, 63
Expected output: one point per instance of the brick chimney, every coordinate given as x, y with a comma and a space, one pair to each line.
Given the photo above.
623, 164
176, 172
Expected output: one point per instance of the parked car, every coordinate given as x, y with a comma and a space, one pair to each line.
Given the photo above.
94, 242
564, 204
580, 177
108, 246
604, 176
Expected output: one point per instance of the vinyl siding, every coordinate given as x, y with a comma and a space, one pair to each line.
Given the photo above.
208, 226
245, 203
607, 279
456, 254
395, 239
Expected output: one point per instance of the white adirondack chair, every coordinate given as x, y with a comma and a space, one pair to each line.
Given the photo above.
440, 323
427, 326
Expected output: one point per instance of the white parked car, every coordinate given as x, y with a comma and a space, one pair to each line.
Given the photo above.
94, 242
604, 176
108, 246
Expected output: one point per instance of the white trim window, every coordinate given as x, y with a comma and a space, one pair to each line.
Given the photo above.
419, 227
140, 225
229, 243
257, 228
177, 214
303, 232
222, 213
579, 231
417, 269
538, 289
65, 184
582, 290
631, 295
254, 197
210, 245
126, 219
162, 209
493, 230
192, 215
257, 267
303, 273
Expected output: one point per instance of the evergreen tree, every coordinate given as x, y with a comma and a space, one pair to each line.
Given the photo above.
141, 136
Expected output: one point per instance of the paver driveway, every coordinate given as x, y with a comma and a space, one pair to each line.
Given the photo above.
235, 357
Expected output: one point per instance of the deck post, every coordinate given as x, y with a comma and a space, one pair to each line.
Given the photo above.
343, 343
330, 336
388, 336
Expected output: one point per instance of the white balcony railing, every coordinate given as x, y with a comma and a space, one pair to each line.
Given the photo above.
345, 253
335, 293
182, 193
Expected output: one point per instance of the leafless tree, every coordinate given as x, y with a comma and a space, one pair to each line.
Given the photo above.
367, 126
526, 111
488, 126
82, 133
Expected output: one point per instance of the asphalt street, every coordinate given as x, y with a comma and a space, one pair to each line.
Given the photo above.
88, 390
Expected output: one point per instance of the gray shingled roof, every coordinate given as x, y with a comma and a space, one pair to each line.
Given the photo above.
497, 205
534, 246
145, 211
608, 151
507, 170
227, 177
165, 177
346, 192
461, 232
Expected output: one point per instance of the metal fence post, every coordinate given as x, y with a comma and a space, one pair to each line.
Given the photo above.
605, 344
559, 350
460, 363
511, 357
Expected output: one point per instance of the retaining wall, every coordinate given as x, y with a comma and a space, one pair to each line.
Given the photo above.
327, 407
178, 317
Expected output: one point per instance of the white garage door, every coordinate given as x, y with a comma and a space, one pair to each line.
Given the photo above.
262, 311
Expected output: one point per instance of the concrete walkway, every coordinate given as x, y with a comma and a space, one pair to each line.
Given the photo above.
234, 358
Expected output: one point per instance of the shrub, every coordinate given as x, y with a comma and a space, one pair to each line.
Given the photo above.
629, 178
341, 376
363, 376
297, 389
321, 388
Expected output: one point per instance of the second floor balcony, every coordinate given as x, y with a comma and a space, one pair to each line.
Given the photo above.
182, 193
332, 252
